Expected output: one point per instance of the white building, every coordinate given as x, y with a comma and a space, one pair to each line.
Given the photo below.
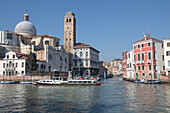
166, 56
85, 61
130, 64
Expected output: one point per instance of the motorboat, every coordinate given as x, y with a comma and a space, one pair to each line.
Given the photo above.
144, 81
26, 82
7, 82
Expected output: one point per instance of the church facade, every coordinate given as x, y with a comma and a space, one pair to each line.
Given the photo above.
16, 46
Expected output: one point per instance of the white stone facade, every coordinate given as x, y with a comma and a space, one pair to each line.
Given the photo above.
130, 64
85, 61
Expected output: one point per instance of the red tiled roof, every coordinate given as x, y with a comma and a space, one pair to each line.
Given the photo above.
148, 38
81, 45
23, 57
45, 36
20, 53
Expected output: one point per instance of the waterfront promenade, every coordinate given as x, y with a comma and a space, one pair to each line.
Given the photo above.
113, 96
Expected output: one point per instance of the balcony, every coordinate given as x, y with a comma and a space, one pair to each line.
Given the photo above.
148, 61
10, 68
138, 62
142, 61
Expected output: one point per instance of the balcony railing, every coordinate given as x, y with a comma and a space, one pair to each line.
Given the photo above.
148, 61
142, 61
10, 68
138, 62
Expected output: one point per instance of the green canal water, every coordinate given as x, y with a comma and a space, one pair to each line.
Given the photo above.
113, 96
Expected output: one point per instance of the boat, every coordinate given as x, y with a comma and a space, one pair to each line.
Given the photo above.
7, 82
66, 81
144, 81
26, 82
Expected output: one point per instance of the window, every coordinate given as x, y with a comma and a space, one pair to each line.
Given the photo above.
86, 62
143, 56
3, 65
13, 56
168, 62
150, 74
138, 56
16, 64
138, 46
154, 55
9, 35
70, 20
143, 74
75, 63
149, 44
57, 44
7, 56
143, 67
130, 65
3, 72
16, 72
41, 66
47, 42
81, 54
44, 66
163, 67
134, 57
134, 47
86, 54
168, 44
162, 45
163, 57
22, 72
75, 54
167, 53
142, 45
22, 64
66, 20
81, 63
129, 55
154, 67
149, 67
154, 44
149, 55
138, 68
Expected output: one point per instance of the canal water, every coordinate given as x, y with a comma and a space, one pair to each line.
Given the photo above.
113, 96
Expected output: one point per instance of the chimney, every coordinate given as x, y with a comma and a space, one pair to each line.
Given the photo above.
145, 36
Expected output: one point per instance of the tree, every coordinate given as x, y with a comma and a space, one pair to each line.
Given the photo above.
31, 62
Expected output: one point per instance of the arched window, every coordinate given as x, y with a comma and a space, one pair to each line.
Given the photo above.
65, 60
70, 20
66, 20
60, 58
149, 55
47, 42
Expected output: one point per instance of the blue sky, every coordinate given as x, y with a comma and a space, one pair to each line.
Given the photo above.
110, 26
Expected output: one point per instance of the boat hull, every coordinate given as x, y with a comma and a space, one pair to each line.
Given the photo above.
42, 84
7, 82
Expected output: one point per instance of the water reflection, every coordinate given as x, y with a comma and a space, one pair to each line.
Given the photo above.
114, 95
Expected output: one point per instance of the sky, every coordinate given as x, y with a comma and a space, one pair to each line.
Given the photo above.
110, 26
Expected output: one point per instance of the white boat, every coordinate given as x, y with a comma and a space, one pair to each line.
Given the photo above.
25, 82
7, 82
144, 81
66, 81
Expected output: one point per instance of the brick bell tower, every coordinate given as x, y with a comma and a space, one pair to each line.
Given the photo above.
70, 35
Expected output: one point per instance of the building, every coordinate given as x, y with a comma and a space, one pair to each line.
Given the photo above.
102, 70
51, 56
86, 61
70, 35
130, 64
115, 65
148, 59
124, 64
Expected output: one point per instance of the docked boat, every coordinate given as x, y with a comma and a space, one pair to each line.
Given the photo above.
7, 82
65, 81
26, 82
144, 81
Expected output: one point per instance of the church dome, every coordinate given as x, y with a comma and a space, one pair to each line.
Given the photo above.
25, 27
